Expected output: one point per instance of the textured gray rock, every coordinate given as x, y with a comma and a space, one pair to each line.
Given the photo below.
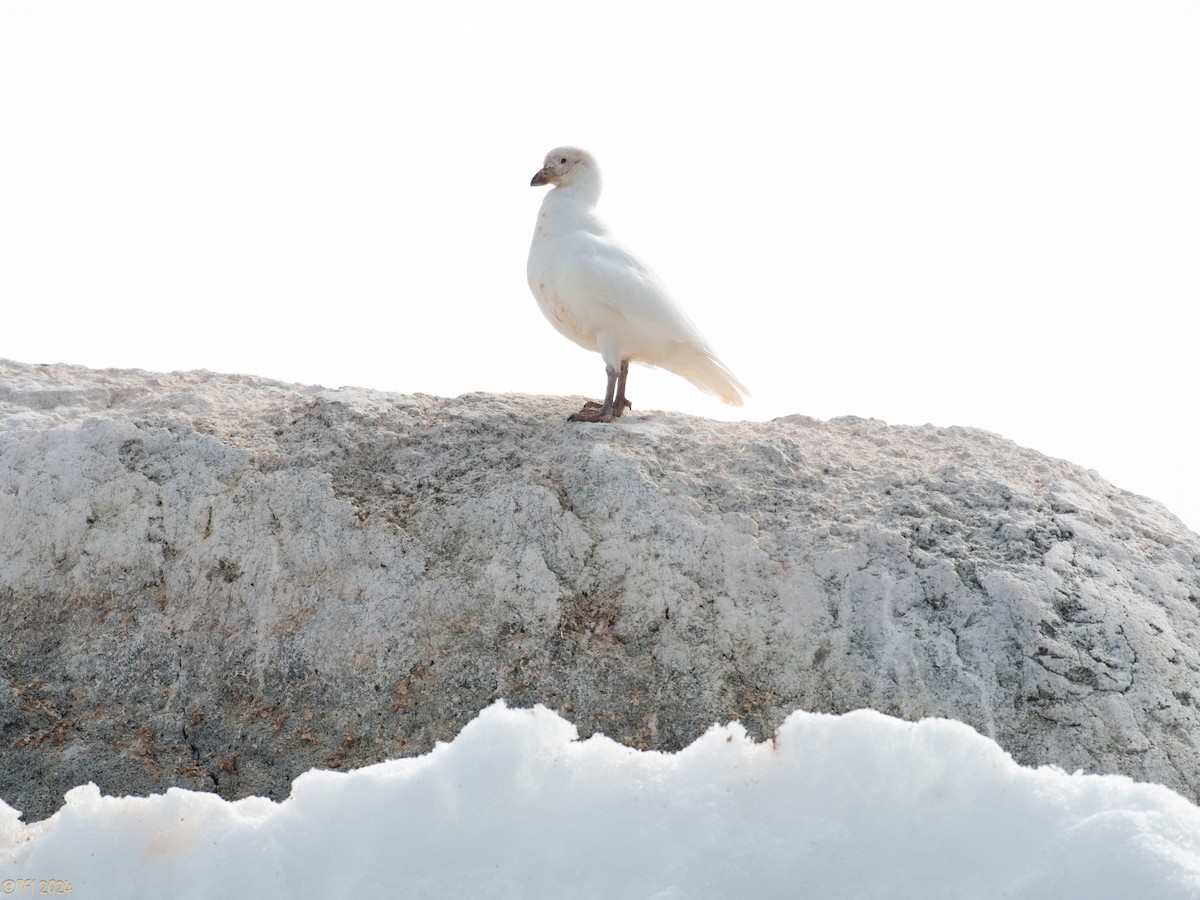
219, 582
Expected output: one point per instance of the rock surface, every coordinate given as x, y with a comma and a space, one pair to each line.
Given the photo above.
219, 582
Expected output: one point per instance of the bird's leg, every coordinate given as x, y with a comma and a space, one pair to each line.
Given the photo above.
620, 403
595, 412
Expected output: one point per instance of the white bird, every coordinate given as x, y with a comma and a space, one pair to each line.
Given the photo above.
601, 297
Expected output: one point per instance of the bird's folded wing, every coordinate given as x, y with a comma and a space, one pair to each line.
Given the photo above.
614, 277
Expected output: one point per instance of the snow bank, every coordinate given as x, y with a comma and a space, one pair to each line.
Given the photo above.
857, 805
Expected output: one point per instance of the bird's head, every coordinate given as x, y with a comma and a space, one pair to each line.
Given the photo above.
564, 166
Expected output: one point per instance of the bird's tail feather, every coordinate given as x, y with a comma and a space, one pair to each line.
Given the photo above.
708, 373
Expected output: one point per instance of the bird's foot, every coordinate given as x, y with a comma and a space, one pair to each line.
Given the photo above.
592, 412
596, 412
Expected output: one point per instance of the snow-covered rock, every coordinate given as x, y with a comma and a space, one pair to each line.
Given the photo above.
219, 582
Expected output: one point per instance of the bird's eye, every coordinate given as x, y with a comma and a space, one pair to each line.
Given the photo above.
563, 161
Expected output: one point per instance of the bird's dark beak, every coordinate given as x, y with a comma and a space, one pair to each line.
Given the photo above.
542, 177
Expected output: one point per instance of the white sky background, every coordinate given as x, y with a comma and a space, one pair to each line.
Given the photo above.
958, 213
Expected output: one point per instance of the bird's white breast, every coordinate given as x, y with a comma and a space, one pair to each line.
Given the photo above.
557, 277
